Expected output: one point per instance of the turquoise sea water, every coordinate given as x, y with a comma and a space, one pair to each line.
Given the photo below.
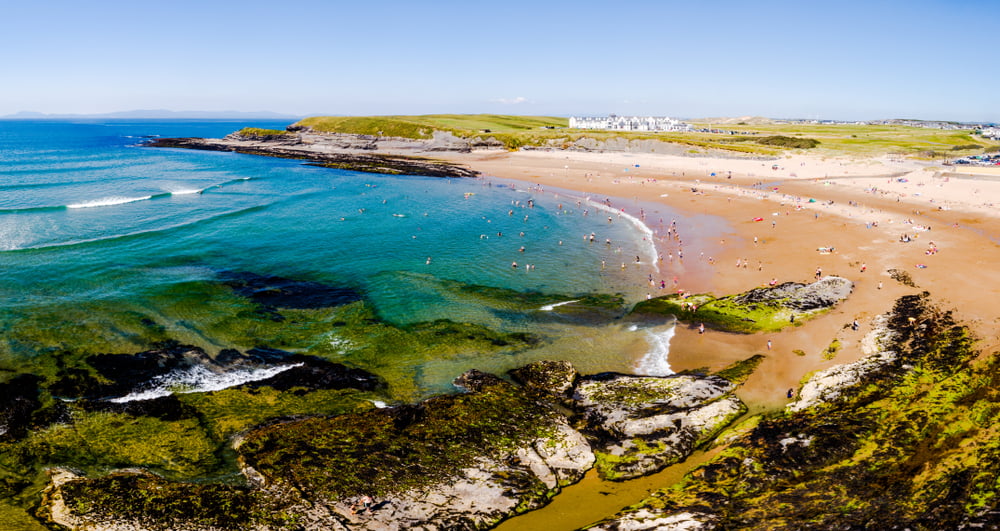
108, 246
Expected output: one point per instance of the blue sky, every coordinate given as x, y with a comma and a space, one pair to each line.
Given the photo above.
841, 60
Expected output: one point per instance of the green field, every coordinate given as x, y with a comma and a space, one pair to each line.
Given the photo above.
769, 139
873, 139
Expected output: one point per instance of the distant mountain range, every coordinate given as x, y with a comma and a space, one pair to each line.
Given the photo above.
156, 114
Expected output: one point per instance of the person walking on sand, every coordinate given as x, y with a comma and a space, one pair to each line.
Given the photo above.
768, 344
819, 273
701, 328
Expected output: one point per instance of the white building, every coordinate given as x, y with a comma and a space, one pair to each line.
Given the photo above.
628, 123
988, 132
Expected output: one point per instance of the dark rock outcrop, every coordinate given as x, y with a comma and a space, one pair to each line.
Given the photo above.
146, 377
555, 378
18, 403
363, 158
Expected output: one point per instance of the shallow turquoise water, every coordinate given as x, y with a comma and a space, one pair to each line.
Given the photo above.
103, 240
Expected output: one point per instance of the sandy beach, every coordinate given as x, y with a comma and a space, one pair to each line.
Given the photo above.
790, 217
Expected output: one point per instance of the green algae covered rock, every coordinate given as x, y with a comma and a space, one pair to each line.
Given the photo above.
555, 378
911, 442
759, 310
460, 461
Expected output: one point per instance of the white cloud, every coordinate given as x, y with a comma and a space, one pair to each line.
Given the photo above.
512, 101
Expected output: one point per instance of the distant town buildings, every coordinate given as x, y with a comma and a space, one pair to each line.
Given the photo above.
628, 123
991, 132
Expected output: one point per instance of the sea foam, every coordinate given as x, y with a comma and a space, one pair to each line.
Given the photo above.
189, 191
109, 201
550, 307
645, 230
199, 379
656, 362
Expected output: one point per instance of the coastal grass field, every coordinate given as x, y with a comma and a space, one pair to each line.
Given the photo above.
751, 138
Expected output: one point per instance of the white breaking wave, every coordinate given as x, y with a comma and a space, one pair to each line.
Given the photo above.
550, 307
199, 379
187, 192
646, 231
109, 201
656, 362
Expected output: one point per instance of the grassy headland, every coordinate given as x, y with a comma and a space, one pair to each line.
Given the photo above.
767, 139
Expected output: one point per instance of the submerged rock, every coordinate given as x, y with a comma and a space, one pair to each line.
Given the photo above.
272, 292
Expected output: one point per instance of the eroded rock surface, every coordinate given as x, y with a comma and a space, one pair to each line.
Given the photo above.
646, 423
823, 293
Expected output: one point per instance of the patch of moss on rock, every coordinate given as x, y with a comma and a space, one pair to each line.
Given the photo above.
157, 504
831, 350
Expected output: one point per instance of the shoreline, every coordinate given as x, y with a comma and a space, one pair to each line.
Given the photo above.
783, 228
860, 220
860, 208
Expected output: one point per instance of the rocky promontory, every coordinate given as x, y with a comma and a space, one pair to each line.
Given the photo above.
366, 153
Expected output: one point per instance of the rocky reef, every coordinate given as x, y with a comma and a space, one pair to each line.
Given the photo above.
906, 440
461, 461
903, 438
761, 309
